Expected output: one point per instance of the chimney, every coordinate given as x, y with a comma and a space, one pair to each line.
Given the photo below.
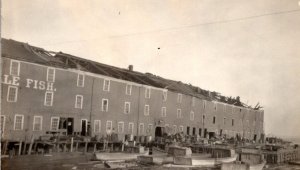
130, 67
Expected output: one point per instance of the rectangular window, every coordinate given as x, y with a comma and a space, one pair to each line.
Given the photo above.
146, 110
2, 124
181, 128
178, 113
193, 101
192, 116
19, 122
106, 85
78, 101
163, 112
37, 123
104, 105
80, 80
14, 68
174, 128
203, 119
120, 127
108, 125
97, 126
12, 94
179, 98
130, 128
165, 95
128, 89
127, 108
48, 98
224, 121
50, 74
232, 122
147, 93
150, 126
214, 119
54, 123
204, 104
141, 129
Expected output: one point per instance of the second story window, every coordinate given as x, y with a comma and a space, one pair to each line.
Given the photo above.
80, 80
203, 119
165, 95
232, 122
224, 121
78, 101
204, 104
214, 119
48, 99
193, 101
105, 105
146, 110
106, 85
127, 108
163, 112
50, 74
192, 116
147, 93
12, 94
14, 68
128, 89
178, 113
179, 98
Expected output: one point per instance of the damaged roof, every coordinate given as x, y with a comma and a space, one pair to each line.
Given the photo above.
25, 52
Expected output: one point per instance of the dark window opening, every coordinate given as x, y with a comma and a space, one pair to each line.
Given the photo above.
188, 130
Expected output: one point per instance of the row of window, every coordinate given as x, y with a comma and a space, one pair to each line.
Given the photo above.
13, 91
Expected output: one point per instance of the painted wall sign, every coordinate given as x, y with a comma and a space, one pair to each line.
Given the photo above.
30, 83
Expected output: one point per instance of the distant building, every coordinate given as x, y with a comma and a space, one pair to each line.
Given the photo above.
45, 92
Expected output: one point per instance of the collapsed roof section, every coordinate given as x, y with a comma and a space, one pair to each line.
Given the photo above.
25, 52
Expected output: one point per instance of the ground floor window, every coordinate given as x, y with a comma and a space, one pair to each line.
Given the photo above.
54, 123
109, 125
181, 128
150, 126
174, 128
141, 128
120, 127
130, 128
2, 124
19, 122
37, 123
97, 126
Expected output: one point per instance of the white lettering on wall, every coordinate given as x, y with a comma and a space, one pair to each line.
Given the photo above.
30, 83
11, 80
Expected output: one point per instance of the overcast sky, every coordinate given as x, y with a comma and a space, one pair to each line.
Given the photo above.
246, 48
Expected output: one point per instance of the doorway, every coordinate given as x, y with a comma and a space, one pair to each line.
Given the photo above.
194, 131
200, 132
70, 126
83, 127
159, 131
205, 132
188, 130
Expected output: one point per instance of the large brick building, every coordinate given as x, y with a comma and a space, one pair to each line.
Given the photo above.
44, 92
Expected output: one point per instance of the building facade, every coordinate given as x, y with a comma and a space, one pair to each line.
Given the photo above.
44, 93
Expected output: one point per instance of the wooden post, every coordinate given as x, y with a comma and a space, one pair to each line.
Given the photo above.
25, 145
20, 147
95, 147
65, 147
5, 147
85, 147
71, 148
76, 146
30, 146
123, 142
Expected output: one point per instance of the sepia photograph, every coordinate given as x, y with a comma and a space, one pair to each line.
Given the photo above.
150, 84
